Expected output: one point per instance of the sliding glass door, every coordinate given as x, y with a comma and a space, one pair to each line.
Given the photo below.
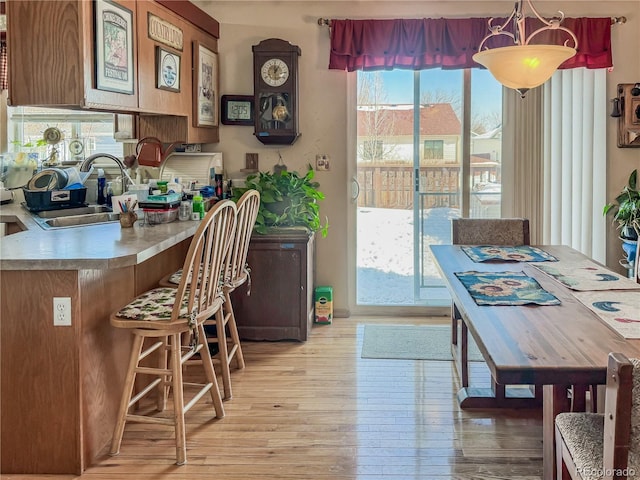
426, 153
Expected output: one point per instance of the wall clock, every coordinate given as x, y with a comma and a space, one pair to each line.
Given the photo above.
275, 89
76, 149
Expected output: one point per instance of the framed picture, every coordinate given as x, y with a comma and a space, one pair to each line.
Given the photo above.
113, 47
236, 109
167, 70
205, 86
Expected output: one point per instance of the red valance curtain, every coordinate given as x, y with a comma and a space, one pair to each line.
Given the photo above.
450, 43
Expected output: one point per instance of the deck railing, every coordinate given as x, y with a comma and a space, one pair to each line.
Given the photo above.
391, 186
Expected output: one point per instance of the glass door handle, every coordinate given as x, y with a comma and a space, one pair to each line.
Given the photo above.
355, 188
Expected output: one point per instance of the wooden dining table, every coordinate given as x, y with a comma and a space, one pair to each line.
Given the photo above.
550, 347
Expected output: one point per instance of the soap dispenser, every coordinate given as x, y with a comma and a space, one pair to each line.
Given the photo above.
102, 183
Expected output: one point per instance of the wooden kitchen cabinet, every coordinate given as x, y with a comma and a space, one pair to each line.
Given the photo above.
280, 306
52, 58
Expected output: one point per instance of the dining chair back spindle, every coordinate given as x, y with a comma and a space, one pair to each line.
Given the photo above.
636, 263
166, 316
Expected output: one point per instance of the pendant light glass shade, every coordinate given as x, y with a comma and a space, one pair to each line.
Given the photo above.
523, 67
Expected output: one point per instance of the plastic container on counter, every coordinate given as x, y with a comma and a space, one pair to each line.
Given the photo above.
185, 210
154, 216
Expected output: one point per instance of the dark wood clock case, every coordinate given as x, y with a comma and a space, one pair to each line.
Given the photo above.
276, 106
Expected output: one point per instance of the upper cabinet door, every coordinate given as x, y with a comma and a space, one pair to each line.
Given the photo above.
52, 54
110, 56
165, 61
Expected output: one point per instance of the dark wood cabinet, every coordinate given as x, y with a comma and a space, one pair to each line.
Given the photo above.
280, 306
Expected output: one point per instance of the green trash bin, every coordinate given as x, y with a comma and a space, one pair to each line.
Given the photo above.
324, 305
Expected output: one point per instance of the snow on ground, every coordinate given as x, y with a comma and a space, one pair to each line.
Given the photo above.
386, 252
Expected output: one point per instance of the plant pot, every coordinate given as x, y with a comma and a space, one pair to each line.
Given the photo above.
629, 247
628, 233
278, 208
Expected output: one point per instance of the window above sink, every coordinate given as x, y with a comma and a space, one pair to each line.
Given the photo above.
83, 133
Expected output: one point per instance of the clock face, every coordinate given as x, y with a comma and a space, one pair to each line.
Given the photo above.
274, 72
52, 135
76, 147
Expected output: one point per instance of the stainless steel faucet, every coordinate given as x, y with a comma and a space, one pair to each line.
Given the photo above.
85, 166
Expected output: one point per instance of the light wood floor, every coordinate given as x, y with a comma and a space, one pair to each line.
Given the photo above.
317, 411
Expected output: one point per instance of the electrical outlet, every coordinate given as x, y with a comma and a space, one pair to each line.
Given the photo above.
322, 162
62, 311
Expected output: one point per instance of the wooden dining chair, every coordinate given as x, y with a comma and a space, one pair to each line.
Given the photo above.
226, 348
483, 231
604, 445
167, 315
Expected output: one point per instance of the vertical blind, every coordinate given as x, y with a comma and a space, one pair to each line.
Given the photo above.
574, 159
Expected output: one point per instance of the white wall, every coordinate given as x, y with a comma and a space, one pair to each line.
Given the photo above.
323, 94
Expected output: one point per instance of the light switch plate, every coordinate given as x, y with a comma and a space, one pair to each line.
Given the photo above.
323, 162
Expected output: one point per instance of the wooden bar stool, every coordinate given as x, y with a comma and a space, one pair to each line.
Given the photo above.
236, 273
165, 315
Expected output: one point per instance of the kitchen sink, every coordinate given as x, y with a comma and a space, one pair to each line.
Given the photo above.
69, 212
81, 220
75, 217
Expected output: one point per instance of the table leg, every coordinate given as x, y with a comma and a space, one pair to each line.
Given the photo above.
494, 397
464, 355
455, 316
555, 401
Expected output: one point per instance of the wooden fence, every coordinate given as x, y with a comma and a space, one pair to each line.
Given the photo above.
391, 186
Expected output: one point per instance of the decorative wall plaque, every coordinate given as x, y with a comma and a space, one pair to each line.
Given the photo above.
164, 32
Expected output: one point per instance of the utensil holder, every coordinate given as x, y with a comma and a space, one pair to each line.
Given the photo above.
127, 219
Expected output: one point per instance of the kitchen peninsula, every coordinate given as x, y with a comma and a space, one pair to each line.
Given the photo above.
60, 385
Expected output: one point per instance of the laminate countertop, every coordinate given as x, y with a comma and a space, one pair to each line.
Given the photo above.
100, 246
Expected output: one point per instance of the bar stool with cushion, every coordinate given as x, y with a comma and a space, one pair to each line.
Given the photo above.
594, 445
165, 315
236, 273
482, 231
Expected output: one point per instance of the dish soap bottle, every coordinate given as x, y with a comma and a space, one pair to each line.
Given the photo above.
102, 183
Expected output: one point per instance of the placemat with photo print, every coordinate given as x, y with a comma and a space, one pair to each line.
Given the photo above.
586, 275
505, 288
618, 309
496, 253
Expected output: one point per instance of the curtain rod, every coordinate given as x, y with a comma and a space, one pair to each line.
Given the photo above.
326, 22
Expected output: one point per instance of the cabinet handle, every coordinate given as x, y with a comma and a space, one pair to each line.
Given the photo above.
355, 188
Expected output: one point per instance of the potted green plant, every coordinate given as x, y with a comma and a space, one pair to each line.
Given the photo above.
626, 209
287, 199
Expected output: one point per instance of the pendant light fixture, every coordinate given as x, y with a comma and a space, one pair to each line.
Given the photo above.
524, 66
